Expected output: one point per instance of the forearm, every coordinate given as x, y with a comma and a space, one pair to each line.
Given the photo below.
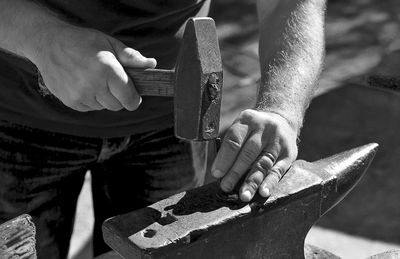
291, 52
20, 24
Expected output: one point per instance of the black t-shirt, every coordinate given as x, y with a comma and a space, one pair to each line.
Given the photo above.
153, 27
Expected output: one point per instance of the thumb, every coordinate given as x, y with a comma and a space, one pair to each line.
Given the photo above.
132, 58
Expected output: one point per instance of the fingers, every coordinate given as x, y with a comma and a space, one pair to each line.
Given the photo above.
129, 57
120, 84
274, 176
120, 92
83, 106
122, 89
113, 90
93, 104
89, 73
108, 101
248, 154
258, 171
133, 58
263, 177
260, 146
126, 94
79, 107
230, 148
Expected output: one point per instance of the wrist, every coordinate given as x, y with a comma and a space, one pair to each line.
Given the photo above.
293, 120
30, 28
43, 38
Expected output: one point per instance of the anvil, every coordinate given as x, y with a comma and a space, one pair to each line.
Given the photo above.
206, 223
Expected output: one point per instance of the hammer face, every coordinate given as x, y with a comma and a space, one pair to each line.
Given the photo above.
198, 82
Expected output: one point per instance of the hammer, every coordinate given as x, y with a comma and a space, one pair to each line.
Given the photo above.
195, 84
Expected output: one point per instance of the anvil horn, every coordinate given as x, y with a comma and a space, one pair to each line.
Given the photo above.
347, 168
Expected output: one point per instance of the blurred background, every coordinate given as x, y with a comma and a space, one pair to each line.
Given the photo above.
345, 113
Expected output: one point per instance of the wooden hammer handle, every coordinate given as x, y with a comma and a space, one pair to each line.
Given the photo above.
153, 82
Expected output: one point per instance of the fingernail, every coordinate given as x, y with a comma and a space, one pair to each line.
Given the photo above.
136, 106
246, 196
217, 173
264, 192
153, 62
226, 186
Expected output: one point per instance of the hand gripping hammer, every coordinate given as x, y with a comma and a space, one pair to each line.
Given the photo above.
195, 84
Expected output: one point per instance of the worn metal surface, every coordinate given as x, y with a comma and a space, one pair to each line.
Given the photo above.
198, 82
197, 224
17, 238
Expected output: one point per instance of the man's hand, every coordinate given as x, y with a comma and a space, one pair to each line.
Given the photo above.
259, 144
84, 68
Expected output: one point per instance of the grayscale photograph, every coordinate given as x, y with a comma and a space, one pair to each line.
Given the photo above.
199, 129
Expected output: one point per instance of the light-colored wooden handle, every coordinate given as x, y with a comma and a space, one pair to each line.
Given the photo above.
153, 82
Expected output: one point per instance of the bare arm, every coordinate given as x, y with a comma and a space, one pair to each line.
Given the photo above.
20, 26
83, 68
261, 143
291, 52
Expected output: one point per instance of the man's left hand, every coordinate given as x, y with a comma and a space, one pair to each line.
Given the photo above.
261, 144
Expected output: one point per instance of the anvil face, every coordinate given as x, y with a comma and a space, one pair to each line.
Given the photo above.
200, 224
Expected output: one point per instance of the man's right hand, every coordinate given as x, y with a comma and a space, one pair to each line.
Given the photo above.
84, 68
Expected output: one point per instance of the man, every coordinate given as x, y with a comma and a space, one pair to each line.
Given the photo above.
95, 120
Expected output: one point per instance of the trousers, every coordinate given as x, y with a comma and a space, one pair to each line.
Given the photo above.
42, 173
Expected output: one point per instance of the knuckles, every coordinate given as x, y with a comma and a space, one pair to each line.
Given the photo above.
259, 120
263, 164
253, 184
132, 54
233, 144
104, 58
247, 114
234, 137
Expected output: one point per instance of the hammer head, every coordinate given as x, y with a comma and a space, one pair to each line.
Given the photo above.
198, 82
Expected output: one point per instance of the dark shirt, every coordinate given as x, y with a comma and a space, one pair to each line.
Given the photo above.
153, 27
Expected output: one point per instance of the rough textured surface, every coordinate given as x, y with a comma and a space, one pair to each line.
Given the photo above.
313, 252
205, 223
17, 238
